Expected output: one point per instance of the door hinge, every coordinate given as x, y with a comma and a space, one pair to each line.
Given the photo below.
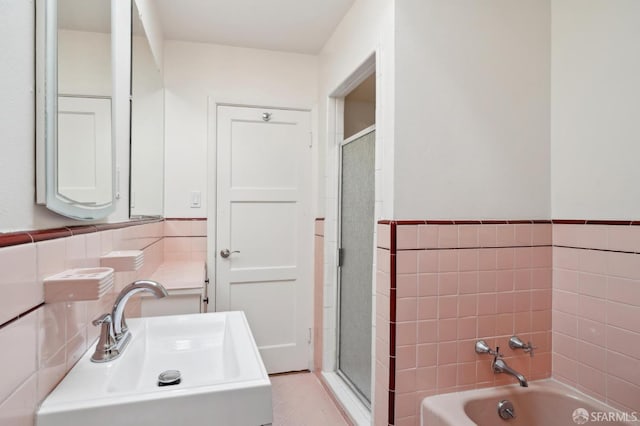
310, 139
340, 257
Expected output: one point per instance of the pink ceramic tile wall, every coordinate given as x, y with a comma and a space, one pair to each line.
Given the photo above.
318, 293
596, 311
41, 342
455, 284
185, 239
383, 403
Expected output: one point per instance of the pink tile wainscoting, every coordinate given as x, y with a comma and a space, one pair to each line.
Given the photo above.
43, 341
185, 239
572, 287
442, 286
596, 311
318, 293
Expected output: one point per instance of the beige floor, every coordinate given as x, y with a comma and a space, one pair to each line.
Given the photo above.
301, 400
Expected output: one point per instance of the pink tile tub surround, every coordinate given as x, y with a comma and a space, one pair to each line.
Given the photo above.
450, 284
596, 311
43, 341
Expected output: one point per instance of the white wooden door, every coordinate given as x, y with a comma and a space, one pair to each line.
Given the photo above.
264, 220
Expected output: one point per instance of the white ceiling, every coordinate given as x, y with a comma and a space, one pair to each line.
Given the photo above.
301, 26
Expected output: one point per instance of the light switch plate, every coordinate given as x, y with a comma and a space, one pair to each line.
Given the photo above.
196, 199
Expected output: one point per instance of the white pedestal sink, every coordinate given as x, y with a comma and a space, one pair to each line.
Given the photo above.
223, 379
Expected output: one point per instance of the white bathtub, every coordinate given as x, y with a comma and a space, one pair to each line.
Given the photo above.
543, 403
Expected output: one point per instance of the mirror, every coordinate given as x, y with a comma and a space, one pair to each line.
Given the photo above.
75, 144
147, 129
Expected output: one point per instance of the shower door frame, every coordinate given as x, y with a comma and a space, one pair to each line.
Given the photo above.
355, 409
339, 372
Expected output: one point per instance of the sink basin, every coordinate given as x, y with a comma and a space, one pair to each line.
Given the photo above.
223, 380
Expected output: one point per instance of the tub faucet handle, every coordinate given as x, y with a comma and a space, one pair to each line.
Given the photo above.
483, 348
516, 343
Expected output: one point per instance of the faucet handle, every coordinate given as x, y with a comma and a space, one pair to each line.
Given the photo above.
102, 319
483, 348
106, 341
516, 343
529, 349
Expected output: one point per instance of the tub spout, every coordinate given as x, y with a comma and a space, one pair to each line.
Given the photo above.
499, 366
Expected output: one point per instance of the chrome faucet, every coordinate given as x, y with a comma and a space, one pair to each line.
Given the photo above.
499, 365
114, 333
120, 328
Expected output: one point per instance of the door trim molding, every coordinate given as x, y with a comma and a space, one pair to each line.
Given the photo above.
335, 131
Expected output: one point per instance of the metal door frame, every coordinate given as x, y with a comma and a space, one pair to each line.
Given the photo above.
342, 375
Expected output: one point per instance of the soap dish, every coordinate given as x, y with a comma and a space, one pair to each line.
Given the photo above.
123, 260
78, 284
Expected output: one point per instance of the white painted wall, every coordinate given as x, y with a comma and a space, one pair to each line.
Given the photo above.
595, 98
472, 109
196, 71
17, 172
18, 210
367, 29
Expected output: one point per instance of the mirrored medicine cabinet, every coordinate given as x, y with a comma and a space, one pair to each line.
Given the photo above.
75, 109
75, 147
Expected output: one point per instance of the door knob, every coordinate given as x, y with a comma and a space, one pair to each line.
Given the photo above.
226, 253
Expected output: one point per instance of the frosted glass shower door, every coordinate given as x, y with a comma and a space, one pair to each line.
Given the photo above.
356, 261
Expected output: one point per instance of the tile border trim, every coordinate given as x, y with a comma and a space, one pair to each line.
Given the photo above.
33, 236
20, 315
465, 222
15, 238
512, 222
595, 249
